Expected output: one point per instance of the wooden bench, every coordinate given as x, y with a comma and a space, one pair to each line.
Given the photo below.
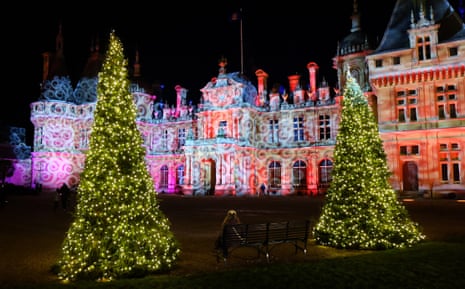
264, 237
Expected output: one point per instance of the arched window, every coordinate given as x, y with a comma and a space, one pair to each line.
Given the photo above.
325, 168
299, 174
180, 175
164, 177
274, 175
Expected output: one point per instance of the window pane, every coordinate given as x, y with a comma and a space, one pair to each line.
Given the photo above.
456, 172
452, 111
444, 172
441, 111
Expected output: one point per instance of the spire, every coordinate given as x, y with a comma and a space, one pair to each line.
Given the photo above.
59, 40
95, 47
461, 10
137, 65
54, 63
431, 15
355, 18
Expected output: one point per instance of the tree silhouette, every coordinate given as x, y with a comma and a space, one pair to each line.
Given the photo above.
118, 229
361, 210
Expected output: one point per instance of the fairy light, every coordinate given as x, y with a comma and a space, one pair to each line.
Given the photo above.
118, 229
361, 209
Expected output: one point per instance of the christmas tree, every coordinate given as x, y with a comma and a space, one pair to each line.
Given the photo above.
361, 210
118, 229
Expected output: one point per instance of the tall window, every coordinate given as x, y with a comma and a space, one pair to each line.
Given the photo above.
164, 177
401, 115
325, 128
39, 137
441, 112
164, 140
180, 175
450, 163
413, 114
274, 131
424, 47
452, 110
181, 137
446, 99
84, 138
325, 169
407, 105
222, 128
299, 174
298, 128
274, 175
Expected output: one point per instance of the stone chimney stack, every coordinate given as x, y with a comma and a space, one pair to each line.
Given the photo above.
137, 66
181, 94
262, 78
293, 82
312, 69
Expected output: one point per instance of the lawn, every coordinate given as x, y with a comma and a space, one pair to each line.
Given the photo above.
427, 265
32, 233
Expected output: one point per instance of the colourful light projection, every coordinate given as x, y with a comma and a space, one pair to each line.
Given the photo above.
226, 146
240, 136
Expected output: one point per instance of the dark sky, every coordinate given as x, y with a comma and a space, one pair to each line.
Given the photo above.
180, 43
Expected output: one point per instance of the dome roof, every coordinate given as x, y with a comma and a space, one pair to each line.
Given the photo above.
354, 42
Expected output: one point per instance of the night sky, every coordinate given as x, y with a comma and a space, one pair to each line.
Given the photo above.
180, 43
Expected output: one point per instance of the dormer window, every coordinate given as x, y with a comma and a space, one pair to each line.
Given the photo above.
424, 48
423, 35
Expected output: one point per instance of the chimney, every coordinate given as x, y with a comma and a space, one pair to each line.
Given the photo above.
181, 94
293, 82
262, 78
46, 65
312, 68
137, 66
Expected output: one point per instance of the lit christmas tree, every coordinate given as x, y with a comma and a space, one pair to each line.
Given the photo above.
118, 230
361, 210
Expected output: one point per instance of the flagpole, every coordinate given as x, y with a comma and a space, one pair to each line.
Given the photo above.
242, 43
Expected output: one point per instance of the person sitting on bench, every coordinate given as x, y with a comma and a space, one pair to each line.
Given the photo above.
231, 219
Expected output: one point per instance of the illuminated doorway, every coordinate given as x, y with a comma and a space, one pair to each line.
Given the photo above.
410, 177
209, 176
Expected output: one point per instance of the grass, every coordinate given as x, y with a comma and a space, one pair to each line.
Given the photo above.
32, 232
426, 265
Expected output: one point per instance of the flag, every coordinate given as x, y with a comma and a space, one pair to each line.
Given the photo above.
236, 16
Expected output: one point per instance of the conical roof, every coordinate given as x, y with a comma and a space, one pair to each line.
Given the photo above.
57, 64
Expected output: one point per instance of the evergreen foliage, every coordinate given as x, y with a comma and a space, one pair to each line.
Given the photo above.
361, 210
118, 229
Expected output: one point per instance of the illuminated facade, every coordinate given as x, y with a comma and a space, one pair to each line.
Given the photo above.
241, 135
234, 141
418, 86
